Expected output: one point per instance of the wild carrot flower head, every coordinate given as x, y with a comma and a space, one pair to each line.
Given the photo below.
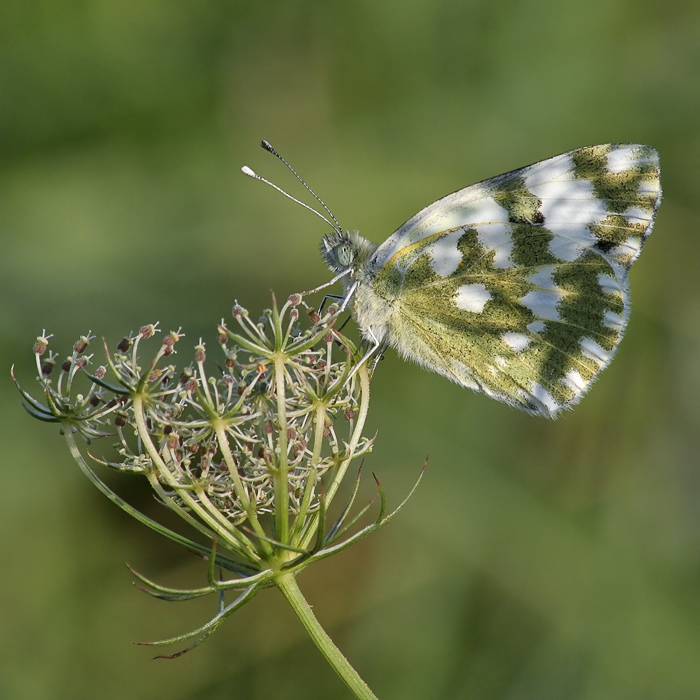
250, 449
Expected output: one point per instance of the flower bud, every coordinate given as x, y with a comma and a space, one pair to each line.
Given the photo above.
147, 331
81, 344
42, 342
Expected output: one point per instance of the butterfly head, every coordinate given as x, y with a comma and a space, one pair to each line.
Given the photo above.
346, 250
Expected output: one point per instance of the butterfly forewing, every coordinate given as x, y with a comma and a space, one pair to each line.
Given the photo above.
516, 286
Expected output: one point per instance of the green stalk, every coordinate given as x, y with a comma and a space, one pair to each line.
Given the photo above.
287, 583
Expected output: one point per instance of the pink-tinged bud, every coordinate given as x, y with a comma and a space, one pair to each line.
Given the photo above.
239, 311
313, 315
333, 309
124, 344
269, 427
200, 354
42, 342
328, 338
294, 299
291, 433
170, 339
173, 441
100, 372
349, 414
147, 331
66, 365
294, 315
81, 344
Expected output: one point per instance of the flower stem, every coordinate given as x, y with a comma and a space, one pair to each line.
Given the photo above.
287, 583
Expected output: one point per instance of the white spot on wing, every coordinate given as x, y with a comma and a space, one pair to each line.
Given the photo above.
574, 381
569, 241
460, 212
568, 201
593, 351
464, 376
543, 304
649, 187
620, 160
542, 277
630, 249
497, 238
614, 321
472, 297
638, 215
544, 397
609, 284
517, 341
445, 256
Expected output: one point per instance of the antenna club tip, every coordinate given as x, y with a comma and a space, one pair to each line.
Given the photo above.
248, 171
267, 146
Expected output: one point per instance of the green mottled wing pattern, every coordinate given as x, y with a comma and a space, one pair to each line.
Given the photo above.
517, 286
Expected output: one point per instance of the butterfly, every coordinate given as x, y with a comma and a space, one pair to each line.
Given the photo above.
515, 287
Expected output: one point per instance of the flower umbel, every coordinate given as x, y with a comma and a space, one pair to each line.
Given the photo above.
250, 453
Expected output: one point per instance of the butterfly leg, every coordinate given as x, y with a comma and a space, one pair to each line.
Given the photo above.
330, 283
376, 348
326, 298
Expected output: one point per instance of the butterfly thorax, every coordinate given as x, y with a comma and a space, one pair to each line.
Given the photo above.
352, 253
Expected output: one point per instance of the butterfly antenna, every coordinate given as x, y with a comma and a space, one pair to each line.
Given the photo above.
269, 148
251, 173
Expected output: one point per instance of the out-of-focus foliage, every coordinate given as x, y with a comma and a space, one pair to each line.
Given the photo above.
573, 565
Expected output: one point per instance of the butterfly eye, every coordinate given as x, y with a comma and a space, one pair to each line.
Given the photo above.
345, 254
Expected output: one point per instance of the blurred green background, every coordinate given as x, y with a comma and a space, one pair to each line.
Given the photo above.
537, 560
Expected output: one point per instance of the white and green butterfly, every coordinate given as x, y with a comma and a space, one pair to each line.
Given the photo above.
515, 286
